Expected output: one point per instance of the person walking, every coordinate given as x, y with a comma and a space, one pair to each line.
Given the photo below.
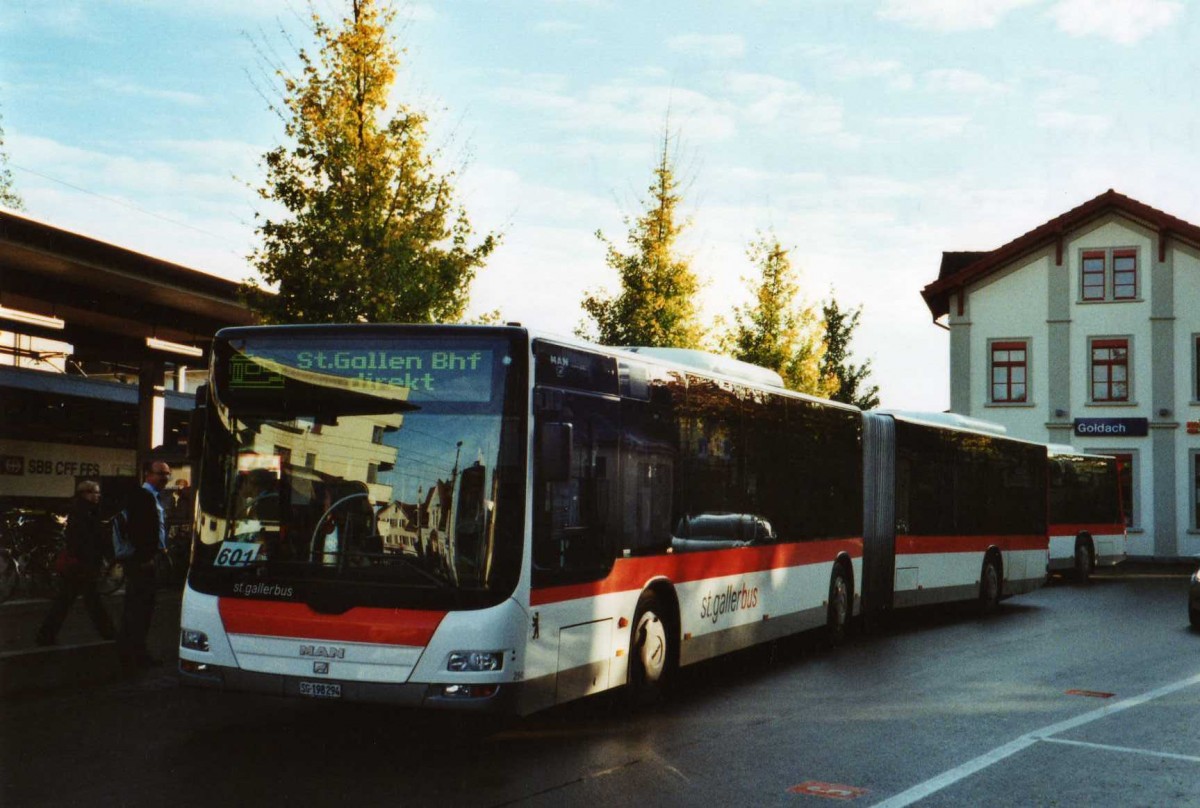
85, 550
148, 534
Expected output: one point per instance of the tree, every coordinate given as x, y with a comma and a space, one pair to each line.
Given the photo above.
9, 197
852, 379
775, 331
371, 232
657, 303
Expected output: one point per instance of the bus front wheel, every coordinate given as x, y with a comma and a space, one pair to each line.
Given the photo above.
650, 653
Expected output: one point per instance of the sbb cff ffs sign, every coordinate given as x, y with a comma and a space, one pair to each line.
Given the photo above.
1112, 427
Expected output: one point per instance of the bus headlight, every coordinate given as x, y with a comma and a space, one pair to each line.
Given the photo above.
475, 661
192, 639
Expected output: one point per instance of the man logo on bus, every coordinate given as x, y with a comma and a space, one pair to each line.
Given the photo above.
326, 651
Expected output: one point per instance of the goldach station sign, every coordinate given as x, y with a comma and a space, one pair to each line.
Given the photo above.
1112, 427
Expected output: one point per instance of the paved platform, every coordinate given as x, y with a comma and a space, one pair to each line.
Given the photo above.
80, 656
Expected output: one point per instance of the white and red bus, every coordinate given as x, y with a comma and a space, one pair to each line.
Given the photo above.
957, 511
485, 518
1087, 524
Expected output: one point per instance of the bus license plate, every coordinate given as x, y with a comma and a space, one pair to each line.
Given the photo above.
321, 690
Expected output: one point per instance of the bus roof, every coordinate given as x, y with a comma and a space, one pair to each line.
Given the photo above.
1064, 450
951, 420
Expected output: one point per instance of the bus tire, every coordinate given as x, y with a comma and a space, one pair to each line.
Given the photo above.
990, 585
1083, 561
837, 615
651, 657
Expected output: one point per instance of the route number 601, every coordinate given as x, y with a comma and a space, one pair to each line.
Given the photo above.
236, 554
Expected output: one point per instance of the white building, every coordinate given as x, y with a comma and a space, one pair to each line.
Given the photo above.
1086, 331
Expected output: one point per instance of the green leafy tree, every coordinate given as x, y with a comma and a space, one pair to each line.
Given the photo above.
9, 197
371, 232
853, 387
656, 306
777, 330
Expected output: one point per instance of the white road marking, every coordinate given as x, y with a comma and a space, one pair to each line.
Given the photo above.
1127, 750
961, 772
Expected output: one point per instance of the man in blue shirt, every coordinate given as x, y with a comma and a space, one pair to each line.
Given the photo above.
148, 534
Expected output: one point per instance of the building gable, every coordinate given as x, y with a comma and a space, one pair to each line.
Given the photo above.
960, 269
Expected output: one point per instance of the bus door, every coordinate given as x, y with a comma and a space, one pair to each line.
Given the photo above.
575, 521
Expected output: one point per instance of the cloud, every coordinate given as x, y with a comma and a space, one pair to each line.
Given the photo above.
141, 91
933, 127
636, 109
949, 15
1122, 21
716, 46
769, 101
555, 27
196, 215
62, 19
963, 82
847, 67
1061, 87
1074, 122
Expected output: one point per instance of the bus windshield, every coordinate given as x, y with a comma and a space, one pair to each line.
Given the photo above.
364, 470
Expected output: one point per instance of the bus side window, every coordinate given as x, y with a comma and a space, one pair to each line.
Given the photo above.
577, 460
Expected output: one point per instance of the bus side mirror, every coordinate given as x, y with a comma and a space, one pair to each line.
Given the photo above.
554, 451
196, 424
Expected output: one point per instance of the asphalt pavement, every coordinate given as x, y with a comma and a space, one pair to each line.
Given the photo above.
79, 656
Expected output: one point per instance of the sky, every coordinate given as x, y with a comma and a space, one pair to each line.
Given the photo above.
869, 136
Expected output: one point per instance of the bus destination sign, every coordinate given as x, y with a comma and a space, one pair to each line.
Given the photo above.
458, 375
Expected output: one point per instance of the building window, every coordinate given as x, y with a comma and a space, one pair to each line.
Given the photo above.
1196, 490
1010, 366
1109, 275
1125, 476
1094, 272
1196, 369
1124, 274
1110, 370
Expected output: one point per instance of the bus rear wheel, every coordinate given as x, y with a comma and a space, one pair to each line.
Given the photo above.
989, 586
1083, 562
651, 656
837, 618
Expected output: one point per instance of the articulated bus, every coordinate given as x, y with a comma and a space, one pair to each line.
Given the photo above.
1087, 525
483, 518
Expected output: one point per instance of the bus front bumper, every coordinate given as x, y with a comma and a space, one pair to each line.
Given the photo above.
501, 698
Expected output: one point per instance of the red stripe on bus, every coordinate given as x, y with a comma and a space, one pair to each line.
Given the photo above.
923, 545
361, 624
1094, 528
633, 573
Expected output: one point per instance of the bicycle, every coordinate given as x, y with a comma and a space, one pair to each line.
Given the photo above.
32, 541
10, 574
